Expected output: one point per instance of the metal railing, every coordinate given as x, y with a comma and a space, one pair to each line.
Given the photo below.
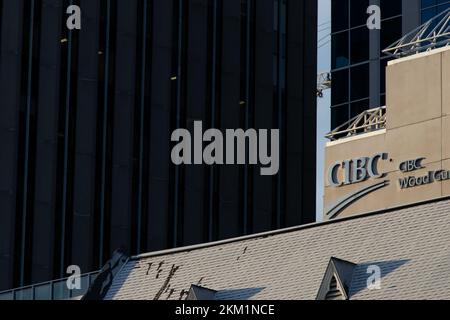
368, 121
51, 290
433, 34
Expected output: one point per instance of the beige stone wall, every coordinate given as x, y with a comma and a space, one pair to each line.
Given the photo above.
418, 125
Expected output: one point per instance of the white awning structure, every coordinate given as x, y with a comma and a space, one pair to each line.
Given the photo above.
433, 34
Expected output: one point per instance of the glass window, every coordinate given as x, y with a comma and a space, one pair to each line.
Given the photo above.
428, 14
7, 296
359, 39
356, 108
339, 47
339, 94
60, 291
339, 115
24, 294
431, 8
428, 3
391, 31
443, 7
339, 20
391, 8
43, 292
358, 12
359, 82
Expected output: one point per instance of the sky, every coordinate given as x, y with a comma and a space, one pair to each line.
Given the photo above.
323, 104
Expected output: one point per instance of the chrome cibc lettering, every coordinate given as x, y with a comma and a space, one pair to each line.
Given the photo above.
431, 177
355, 170
411, 165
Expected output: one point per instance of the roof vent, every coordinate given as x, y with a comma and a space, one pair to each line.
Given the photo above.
337, 280
197, 293
334, 291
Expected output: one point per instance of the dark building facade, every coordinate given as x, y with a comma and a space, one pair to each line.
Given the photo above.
358, 64
86, 118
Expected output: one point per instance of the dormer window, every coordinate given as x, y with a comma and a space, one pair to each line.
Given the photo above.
337, 280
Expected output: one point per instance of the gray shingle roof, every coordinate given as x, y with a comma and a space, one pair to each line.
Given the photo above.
410, 245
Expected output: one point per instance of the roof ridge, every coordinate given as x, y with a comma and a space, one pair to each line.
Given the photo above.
284, 230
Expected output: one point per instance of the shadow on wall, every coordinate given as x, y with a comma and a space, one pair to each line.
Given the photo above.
361, 275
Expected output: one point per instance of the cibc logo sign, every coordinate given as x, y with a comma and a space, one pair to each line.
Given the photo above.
349, 172
411, 165
355, 170
417, 181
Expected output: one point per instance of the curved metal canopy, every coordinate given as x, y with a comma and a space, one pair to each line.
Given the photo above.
435, 33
